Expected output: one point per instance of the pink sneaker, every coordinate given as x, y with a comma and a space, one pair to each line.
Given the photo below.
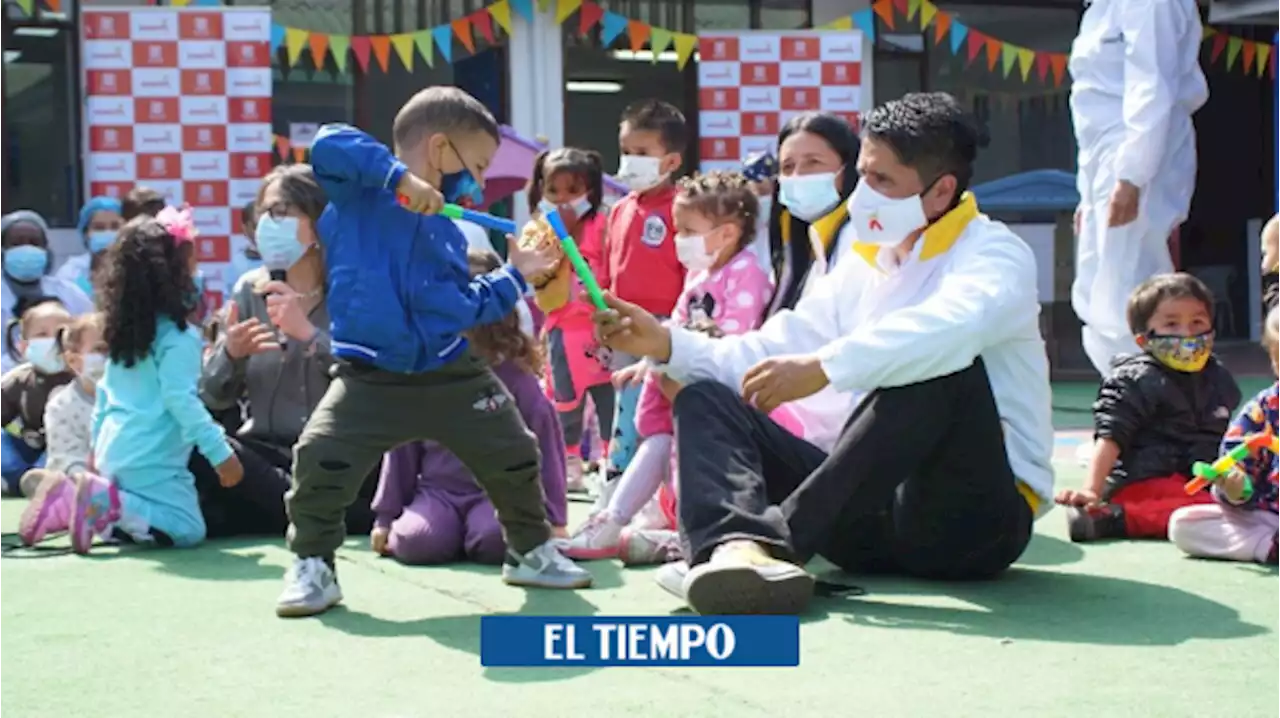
97, 506
648, 547
50, 509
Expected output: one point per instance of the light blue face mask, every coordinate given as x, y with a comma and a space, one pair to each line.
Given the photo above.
100, 240
26, 263
809, 197
278, 242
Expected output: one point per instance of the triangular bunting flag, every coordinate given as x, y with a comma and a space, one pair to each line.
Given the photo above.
1250, 49
565, 8
277, 37
423, 41
443, 36
959, 31
27, 6
282, 147
940, 27
403, 44
659, 41
1008, 58
913, 9
481, 21
294, 41
319, 46
885, 11
994, 48
1264, 54
462, 30
524, 8
543, 5
178, 3
501, 14
1208, 33
338, 46
639, 33
588, 16
360, 46
900, 6
1026, 60
840, 23
299, 154
866, 22
1234, 46
1042, 66
1059, 62
685, 45
1219, 44
976, 42
611, 27
381, 50
927, 12
54, 5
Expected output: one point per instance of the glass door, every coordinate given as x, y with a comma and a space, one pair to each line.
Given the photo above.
40, 166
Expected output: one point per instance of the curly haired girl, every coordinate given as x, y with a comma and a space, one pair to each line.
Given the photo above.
429, 508
571, 180
148, 416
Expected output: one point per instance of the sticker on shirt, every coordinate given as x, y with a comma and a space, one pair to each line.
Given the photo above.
490, 402
655, 230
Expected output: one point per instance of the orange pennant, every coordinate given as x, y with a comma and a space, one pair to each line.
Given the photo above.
381, 50
319, 46
299, 154
941, 24
639, 33
884, 9
993, 52
1250, 49
462, 29
282, 147
54, 5
1059, 63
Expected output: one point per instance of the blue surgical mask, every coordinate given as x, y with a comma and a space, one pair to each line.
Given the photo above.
809, 197
580, 206
278, 243
26, 263
100, 240
43, 354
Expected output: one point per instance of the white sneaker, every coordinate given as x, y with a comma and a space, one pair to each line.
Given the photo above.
649, 547
573, 475
598, 538
311, 588
741, 578
544, 567
670, 576
651, 516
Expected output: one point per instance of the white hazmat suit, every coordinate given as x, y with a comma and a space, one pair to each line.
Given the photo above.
1136, 80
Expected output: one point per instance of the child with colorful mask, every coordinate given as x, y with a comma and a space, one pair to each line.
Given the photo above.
1158, 413
27, 387
1242, 525
100, 220
572, 181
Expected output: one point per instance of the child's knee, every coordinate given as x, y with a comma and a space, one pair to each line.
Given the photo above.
486, 545
1188, 524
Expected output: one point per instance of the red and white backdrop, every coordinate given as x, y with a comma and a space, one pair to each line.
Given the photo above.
179, 100
751, 83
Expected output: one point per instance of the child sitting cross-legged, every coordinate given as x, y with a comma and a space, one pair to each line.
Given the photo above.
1158, 413
1241, 526
429, 508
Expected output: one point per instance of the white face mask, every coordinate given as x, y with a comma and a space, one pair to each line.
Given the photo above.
881, 220
639, 173
95, 365
693, 254
580, 206
42, 353
809, 197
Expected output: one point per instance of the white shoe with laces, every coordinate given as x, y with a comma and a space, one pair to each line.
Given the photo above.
544, 567
598, 538
311, 588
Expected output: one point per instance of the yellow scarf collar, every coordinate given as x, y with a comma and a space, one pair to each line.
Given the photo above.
827, 228
938, 237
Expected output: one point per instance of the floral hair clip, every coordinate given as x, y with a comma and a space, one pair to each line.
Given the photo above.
179, 223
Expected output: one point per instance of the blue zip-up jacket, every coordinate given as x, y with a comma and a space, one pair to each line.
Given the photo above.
400, 291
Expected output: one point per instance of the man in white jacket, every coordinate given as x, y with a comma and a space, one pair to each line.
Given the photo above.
1136, 81
933, 329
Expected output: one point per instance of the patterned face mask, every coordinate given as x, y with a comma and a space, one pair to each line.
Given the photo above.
1187, 354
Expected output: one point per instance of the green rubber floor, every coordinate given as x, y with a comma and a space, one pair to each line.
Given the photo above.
1123, 629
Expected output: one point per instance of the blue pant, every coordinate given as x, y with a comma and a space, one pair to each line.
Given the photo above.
163, 500
17, 459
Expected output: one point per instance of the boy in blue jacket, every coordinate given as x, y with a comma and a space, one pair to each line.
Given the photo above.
400, 297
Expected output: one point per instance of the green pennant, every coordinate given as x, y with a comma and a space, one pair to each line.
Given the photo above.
1008, 58
338, 45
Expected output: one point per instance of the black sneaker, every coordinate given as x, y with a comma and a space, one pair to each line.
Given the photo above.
1095, 523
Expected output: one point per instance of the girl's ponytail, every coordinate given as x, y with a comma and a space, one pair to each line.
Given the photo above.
534, 188
10, 340
595, 181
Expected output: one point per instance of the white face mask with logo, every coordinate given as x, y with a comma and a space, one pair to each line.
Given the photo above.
884, 221
639, 173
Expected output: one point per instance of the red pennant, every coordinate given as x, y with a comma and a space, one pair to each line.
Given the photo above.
1219, 44
282, 148
975, 42
1059, 63
483, 22
1249, 50
883, 9
588, 16
360, 46
1042, 66
901, 6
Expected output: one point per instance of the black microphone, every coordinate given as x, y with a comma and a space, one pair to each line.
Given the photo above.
280, 275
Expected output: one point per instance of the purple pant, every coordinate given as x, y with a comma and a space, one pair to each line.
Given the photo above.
442, 527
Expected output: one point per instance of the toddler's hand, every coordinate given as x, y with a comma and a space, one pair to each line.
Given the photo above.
1080, 497
378, 540
419, 196
230, 472
1233, 484
630, 375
